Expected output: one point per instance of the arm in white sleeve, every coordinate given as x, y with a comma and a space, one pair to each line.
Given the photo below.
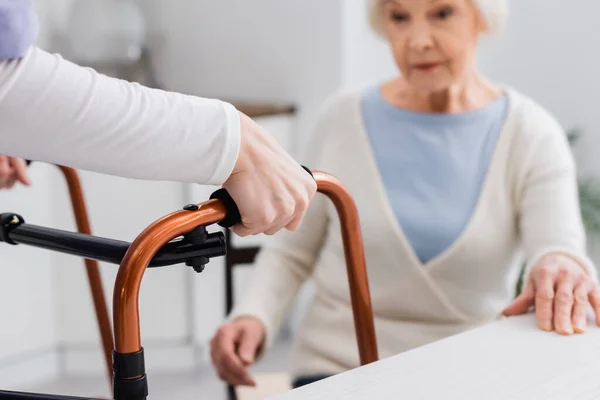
550, 216
55, 111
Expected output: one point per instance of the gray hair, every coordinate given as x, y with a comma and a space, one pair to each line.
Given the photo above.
493, 12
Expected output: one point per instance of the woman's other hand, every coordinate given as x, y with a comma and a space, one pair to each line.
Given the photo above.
12, 170
234, 348
561, 291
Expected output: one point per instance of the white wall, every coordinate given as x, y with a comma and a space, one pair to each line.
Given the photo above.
252, 50
367, 58
550, 51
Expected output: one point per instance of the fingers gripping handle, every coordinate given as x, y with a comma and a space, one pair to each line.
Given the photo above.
233, 216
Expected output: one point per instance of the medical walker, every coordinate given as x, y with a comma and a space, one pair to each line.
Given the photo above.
180, 237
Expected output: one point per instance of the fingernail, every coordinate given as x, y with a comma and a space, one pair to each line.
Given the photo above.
547, 327
247, 359
580, 325
567, 329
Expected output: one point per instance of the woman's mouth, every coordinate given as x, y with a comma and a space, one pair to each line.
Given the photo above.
426, 67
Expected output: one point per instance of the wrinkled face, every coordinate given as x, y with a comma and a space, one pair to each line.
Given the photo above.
433, 41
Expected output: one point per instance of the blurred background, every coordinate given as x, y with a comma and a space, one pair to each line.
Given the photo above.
279, 60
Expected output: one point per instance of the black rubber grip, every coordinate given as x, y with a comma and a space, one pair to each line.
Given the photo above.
233, 216
309, 171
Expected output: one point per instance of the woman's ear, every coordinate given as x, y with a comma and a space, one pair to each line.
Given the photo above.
480, 24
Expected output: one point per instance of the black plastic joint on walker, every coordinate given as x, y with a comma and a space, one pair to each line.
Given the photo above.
129, 381
8, 222
200, 236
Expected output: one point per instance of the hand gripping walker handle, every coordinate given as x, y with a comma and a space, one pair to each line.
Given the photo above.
233, 216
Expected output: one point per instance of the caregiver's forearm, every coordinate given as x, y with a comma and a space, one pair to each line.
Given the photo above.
55, 111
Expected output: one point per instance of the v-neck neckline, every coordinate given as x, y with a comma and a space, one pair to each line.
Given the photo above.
427, 267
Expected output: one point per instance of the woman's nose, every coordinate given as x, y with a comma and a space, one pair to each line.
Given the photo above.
420, 38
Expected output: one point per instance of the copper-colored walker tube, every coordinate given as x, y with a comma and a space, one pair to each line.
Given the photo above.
93, 272
129, 278
355, 265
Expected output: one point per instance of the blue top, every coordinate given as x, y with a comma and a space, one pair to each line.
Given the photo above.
433, 166
18, 28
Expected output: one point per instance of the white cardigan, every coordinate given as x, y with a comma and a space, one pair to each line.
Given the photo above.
529, 204
55, 111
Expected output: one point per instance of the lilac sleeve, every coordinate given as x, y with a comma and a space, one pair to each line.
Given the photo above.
18, 28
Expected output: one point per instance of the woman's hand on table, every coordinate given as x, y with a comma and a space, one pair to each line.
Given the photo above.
561, 291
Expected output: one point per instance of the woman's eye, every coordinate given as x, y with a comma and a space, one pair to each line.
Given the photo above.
444, 13
399, 17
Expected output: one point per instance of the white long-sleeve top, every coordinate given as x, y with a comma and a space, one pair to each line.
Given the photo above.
527, 208
55, 111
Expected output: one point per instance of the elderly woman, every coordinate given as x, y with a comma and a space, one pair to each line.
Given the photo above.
457, 179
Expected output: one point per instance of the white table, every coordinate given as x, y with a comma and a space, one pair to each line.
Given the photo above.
510, 360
